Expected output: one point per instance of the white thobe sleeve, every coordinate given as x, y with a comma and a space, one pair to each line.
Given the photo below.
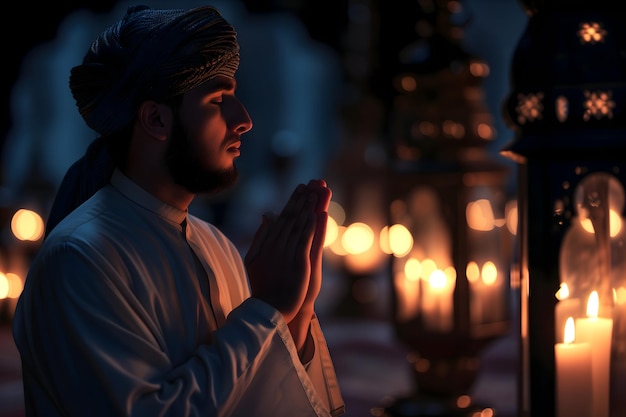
278, 381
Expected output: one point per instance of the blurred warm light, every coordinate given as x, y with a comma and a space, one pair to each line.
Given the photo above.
529, 107
27, 225
377, 412
511, 215
563, 292
400, 240
479, 69
4, 286
450, 273
484, 131
336, 246
412, 269
365, 262
437, 279
615, 223
489, 273
487, 412
562, 108
453, 129
337, 212
332, 231
499, 222
598, 104
454, 6
406, 152
472, 271
397, 208
384, 241
428, 267
427, 128
14, 285
479, 215
591, 32
357, 238
408, 83
421, 364
463, 401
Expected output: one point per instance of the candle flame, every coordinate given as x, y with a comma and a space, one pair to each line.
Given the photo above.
472, 271
593, 305
563, 292
479, 215
412, 269
400, 240
569, 334
450, 273
489, 273
438, 279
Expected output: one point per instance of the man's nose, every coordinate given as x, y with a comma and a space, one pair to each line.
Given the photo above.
240, 119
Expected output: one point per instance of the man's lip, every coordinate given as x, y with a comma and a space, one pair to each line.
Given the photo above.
234, 147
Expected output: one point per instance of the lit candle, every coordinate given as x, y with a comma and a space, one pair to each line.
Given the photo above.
597, 331
437, 302
573, 375
492, 294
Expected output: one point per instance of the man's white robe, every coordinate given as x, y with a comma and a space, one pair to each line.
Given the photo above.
135, 308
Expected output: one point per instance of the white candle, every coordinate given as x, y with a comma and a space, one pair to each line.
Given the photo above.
597, 331
573, 375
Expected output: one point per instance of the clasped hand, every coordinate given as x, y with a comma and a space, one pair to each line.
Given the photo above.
284, 262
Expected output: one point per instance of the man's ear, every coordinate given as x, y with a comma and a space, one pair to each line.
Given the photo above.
155, 119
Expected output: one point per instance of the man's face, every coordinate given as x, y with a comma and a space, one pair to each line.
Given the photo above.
206, 136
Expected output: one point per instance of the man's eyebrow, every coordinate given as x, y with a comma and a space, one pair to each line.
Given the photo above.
223, 83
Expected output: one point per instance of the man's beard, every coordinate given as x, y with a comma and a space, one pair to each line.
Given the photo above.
188, 170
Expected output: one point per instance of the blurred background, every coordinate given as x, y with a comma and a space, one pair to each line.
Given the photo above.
398, 105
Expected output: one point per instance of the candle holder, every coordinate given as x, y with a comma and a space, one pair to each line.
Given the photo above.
567, 109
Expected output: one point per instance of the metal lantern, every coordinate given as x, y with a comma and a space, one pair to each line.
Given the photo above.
567, 108
447, 219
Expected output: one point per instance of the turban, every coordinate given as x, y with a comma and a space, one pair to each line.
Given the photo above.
150, 54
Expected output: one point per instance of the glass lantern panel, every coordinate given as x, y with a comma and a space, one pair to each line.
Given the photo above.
487, 269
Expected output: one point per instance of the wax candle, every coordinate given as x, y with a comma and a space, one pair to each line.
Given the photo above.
597, 331
574, 393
